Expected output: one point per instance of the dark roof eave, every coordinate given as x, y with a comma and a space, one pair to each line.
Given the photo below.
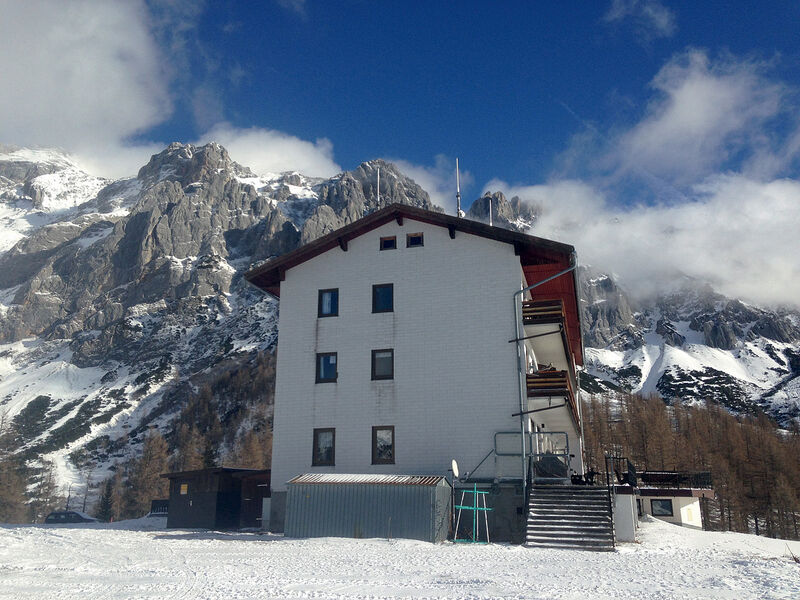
269, 275
210, 471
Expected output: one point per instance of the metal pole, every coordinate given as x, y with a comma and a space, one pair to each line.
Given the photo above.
379, 185
458, 192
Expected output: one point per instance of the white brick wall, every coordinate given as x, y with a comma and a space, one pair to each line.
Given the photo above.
455, 380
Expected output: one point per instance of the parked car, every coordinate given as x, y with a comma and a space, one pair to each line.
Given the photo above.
68, 516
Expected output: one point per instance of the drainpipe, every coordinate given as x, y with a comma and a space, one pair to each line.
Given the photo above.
521, 367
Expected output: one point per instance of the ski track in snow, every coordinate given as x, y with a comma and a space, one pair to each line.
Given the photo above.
139, 559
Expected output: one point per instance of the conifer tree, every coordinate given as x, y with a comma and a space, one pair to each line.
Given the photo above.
145, 482
12, 482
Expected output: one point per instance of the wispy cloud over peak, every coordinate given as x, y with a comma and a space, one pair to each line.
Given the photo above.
704, 114
649, 18
734, 232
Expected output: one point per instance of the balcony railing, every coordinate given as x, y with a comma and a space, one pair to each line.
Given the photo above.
536, 312
552, 384
676, 479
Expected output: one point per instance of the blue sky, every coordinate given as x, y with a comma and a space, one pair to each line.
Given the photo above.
652, 134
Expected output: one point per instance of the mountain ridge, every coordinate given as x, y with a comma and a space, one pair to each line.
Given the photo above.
119, 305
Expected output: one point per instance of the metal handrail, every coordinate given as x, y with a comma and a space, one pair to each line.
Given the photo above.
611, 497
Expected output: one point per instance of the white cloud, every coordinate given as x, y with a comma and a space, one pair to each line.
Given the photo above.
703, 114
81, 75
650, 18
736, 233
270, 151
296, 6
438, 180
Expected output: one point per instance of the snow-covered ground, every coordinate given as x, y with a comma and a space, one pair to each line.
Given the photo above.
139, 560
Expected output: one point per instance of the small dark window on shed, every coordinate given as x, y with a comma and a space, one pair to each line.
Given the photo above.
389, 243
326, 367
324, 447
414, 239
328, 303
661, 508
383, 364
383, 298
383, 445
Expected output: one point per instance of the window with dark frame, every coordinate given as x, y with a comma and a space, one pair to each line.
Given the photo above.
328, 303
661, 508
383, 298
389, 243
324, 453
326, 367
383, 364
414, 240
383, 445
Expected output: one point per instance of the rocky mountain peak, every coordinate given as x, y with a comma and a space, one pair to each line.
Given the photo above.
511, 214
187, 165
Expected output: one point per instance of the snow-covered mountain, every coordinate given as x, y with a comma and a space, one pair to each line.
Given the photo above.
120, 299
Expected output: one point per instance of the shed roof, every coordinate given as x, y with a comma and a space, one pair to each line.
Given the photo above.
366, 479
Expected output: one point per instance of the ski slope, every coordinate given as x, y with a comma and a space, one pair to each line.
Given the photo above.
140, 559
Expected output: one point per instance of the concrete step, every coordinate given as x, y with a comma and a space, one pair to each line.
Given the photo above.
569, 546
592, 512
563, 516
570, 535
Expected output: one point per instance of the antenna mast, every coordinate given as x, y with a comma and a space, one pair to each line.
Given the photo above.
379, 185
458, 192
490, 210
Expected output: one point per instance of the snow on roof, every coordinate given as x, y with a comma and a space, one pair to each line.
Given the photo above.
366, 479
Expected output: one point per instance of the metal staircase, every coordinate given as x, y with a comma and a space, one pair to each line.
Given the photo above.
570, 516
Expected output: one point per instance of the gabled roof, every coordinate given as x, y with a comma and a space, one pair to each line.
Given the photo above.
531, 250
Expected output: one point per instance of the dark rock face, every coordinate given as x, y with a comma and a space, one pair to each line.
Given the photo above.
608, 318
667, 330
511, 214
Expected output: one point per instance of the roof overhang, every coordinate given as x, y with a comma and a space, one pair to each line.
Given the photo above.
531, 250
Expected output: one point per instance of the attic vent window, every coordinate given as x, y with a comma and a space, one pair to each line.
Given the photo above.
414, 240
389, 243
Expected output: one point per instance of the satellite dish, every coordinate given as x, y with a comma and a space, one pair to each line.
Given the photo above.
454, 466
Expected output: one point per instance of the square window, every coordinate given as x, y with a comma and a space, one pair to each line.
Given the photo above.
383, 445
389, 243
383, 298
661, 508
383, 364
413, 240
326, 367
324, 447
328, 303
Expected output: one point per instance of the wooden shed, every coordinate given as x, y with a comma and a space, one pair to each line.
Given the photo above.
217, 498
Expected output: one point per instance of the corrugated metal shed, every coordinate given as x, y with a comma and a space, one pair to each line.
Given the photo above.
367, 506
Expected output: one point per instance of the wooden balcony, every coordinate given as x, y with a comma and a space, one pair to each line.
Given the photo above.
553, 384
548, 383
541, 312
